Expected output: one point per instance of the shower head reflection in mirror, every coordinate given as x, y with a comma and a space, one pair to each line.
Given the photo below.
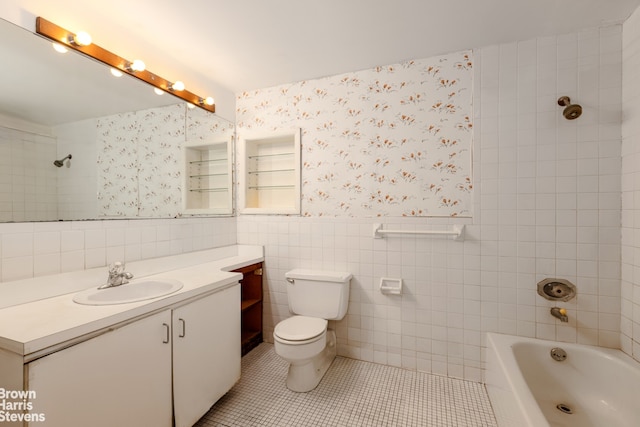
60, 163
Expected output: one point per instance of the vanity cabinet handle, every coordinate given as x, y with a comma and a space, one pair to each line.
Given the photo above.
184, 328
167, 328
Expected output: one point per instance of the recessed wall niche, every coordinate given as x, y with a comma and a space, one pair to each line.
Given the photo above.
207, 177
269, 172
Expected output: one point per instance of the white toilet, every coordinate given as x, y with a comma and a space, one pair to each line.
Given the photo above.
303, 340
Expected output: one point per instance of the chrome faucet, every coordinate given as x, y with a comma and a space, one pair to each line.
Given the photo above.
560, 313
117, 276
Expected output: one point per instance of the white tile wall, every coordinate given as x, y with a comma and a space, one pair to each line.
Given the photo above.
546, 205
549, 187
27, 176
42, 248
423, 328
77, 180
630, 289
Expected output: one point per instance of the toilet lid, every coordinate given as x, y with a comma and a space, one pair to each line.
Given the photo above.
300, 328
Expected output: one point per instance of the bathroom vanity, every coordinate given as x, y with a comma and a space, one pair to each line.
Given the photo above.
142, 363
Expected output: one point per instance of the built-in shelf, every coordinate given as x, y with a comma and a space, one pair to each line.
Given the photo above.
207, 185
270, 156
269, 172
251, 306
271, 187
250, 303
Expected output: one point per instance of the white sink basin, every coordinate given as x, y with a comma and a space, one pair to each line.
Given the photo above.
131, 292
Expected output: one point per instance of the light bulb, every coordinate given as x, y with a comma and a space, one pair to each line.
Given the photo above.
137, 65
116, 73
206, 101
82, 38
158, 91
177, 86
60, 48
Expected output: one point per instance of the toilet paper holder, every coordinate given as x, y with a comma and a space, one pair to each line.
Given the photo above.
390, 285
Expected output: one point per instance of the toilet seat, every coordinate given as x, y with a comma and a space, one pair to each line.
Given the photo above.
300, 329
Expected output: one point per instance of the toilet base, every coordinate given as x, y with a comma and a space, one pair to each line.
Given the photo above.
306, 376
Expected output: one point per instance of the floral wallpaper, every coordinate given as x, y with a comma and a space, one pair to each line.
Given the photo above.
126, 141
140, 158
389, 141
159, 157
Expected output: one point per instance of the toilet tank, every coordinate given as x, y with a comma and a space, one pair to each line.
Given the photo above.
315, 293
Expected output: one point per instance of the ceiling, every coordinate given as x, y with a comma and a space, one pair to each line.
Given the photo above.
248, 44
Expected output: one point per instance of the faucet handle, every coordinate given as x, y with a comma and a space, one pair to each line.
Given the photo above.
116, 267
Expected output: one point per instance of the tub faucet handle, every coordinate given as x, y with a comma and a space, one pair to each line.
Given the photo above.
560, 313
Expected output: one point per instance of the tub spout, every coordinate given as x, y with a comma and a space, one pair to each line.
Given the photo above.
560, 313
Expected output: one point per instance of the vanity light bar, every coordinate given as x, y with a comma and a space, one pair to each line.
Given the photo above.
60, 35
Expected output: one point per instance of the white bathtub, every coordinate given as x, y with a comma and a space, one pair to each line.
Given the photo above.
525, 384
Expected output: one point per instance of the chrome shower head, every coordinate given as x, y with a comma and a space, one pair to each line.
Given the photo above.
571, 111
60, 163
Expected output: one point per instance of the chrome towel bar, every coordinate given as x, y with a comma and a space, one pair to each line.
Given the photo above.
457, 232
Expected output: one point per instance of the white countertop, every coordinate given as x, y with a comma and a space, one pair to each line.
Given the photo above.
33, 326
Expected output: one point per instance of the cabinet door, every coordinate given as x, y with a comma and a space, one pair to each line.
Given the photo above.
206, 353
119, 378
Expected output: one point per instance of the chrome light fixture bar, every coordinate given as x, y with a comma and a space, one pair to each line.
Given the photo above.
64, 37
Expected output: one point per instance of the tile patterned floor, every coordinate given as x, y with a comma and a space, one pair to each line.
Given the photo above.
352, 393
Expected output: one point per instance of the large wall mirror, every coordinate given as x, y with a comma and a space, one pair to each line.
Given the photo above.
126, 143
